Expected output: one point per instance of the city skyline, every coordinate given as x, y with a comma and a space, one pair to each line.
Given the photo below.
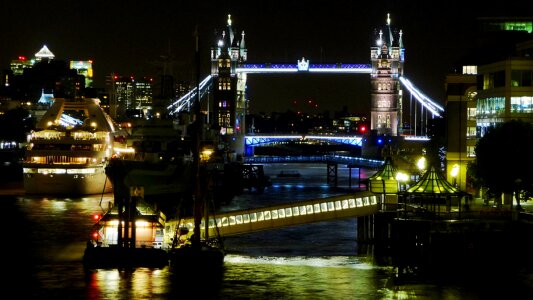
138, 39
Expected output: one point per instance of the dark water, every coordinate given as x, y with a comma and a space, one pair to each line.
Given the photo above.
45, 239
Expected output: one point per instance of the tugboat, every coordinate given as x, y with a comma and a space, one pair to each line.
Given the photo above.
129, 234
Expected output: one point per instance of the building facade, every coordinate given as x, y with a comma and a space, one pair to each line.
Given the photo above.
461, 91
495, 86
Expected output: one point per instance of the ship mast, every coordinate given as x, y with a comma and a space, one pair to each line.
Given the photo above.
197, 133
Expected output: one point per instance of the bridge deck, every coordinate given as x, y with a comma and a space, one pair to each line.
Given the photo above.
289, 214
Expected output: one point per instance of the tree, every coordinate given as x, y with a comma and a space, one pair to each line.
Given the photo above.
504, 163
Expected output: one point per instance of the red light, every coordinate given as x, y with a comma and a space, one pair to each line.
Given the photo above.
95, 235
22, 57
362, 129
96, 217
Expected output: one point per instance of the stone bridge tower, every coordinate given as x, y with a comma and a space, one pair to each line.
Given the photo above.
387, 57
230, 103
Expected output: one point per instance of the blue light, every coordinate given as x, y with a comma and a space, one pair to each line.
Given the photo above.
380, 141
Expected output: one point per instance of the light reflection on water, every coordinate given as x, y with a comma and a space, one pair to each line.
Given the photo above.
248, 278
312, 261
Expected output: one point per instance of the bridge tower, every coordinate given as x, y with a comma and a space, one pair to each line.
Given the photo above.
230, 102
387, 58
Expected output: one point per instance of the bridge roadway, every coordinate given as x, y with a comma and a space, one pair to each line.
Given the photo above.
339, 159
281, 215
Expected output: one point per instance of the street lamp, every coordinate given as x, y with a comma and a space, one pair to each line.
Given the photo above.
421, 165
517, 183
402, 178
454, 172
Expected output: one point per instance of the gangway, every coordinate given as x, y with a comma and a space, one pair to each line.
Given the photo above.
282, 215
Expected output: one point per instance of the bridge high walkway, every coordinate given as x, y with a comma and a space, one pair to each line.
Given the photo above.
290, 214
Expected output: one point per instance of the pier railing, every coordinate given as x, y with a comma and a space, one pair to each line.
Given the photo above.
288, 214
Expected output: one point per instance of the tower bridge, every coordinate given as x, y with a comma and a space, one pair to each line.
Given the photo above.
227, 84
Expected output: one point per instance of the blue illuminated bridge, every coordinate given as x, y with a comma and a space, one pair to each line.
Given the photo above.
264, 139
184, 103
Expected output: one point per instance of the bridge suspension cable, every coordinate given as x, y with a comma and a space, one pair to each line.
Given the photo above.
185, 101
429, 104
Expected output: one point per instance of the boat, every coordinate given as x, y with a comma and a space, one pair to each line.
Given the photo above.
200, 250
69, 149
195, 242
129, 234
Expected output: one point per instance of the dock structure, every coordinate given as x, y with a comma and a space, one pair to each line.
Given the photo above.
289, 214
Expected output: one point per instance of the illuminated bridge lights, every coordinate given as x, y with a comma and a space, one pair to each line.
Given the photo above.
256, 140
188, 98
293, 68
290, 214
429, 104
185, 101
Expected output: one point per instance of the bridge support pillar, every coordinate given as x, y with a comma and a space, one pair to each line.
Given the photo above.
350, 167
365, 229
332, 174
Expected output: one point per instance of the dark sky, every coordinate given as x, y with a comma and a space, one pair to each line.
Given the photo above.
129, 38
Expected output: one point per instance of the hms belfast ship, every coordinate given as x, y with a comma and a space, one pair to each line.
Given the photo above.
69, 149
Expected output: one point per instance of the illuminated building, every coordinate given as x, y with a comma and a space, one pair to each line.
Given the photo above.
494, 24
461, 93
129, 94
387, 57
491, 87
144, 92
229, 87
18, 65
44, 54
505, 77
121, 95
505, 91
84, 68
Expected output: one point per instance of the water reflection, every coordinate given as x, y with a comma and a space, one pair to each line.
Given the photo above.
140, 283
47, 238
278, 264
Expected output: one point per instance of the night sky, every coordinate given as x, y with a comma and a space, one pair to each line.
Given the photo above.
132, 37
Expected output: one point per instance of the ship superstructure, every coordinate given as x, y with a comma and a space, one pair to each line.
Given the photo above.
69, 149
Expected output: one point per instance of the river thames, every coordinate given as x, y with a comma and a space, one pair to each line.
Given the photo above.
46, 238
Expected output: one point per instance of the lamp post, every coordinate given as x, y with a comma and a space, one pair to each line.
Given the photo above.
517, 184
402, 179
421, 164
454, 173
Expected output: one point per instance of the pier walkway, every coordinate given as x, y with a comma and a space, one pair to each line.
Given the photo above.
289, 214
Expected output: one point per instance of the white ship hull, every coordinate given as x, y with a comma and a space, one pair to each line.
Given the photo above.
67, 154
67, 184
